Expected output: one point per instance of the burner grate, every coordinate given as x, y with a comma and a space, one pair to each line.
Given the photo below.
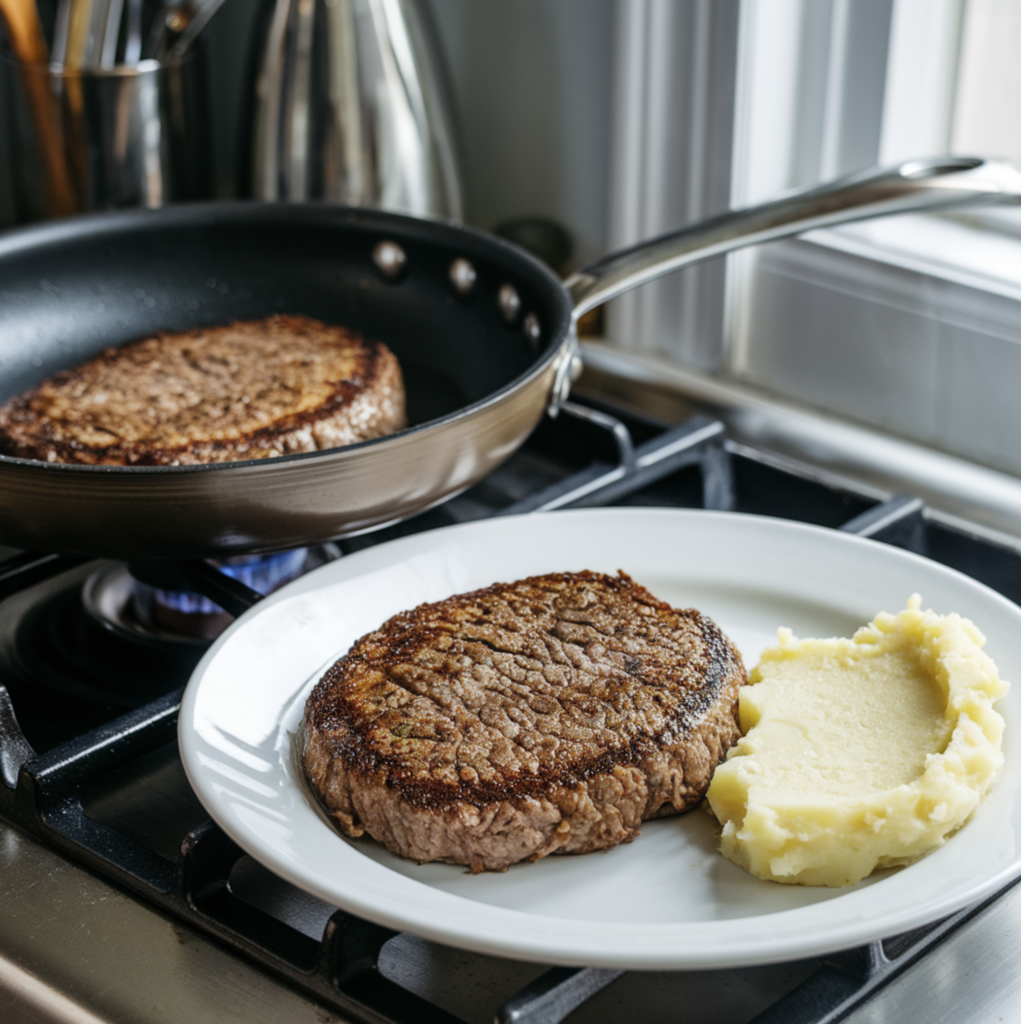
630, 460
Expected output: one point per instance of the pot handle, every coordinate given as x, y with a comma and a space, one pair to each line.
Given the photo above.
914, 185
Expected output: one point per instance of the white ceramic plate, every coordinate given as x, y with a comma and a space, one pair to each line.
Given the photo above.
667, 900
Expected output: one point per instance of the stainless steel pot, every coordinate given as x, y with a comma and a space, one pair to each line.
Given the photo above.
483, 331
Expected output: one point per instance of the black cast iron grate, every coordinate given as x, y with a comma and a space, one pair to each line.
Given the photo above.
592, 455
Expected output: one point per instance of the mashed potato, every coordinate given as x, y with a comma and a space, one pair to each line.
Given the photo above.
860, 753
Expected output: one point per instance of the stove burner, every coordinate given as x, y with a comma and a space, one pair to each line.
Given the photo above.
64, 643
116, 642
260, 572
187, 614
116, 602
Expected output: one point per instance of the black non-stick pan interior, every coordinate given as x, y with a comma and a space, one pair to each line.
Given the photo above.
69, 289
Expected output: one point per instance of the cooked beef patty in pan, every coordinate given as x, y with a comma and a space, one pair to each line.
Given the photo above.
253, 389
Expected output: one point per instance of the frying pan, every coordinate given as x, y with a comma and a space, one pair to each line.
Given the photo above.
483, 332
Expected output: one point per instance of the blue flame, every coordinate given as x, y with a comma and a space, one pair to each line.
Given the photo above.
260, 572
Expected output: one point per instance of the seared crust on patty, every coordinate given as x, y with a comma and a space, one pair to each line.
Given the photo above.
550, 715
251, 390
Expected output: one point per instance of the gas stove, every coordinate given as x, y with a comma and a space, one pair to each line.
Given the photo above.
123, 903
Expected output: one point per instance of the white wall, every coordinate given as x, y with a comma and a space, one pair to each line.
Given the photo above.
532, 86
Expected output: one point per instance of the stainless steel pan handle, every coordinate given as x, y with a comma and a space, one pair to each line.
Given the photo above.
915, 185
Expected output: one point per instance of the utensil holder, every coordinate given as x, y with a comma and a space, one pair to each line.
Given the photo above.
106, 139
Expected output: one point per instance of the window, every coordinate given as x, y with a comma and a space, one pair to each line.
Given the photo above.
910, 323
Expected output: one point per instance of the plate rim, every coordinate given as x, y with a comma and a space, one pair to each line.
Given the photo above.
647, 938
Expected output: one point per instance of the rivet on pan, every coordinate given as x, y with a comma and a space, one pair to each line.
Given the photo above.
390, 258
510, 302
532, 329
463, 277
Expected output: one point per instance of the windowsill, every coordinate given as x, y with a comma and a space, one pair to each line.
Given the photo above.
911, 323
978, 249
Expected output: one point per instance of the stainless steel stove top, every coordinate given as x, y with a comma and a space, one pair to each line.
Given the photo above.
99, 925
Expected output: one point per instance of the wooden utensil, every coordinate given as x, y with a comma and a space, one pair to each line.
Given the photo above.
29, 46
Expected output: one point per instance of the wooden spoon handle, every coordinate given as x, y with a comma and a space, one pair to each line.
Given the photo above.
29, 46
26, 33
